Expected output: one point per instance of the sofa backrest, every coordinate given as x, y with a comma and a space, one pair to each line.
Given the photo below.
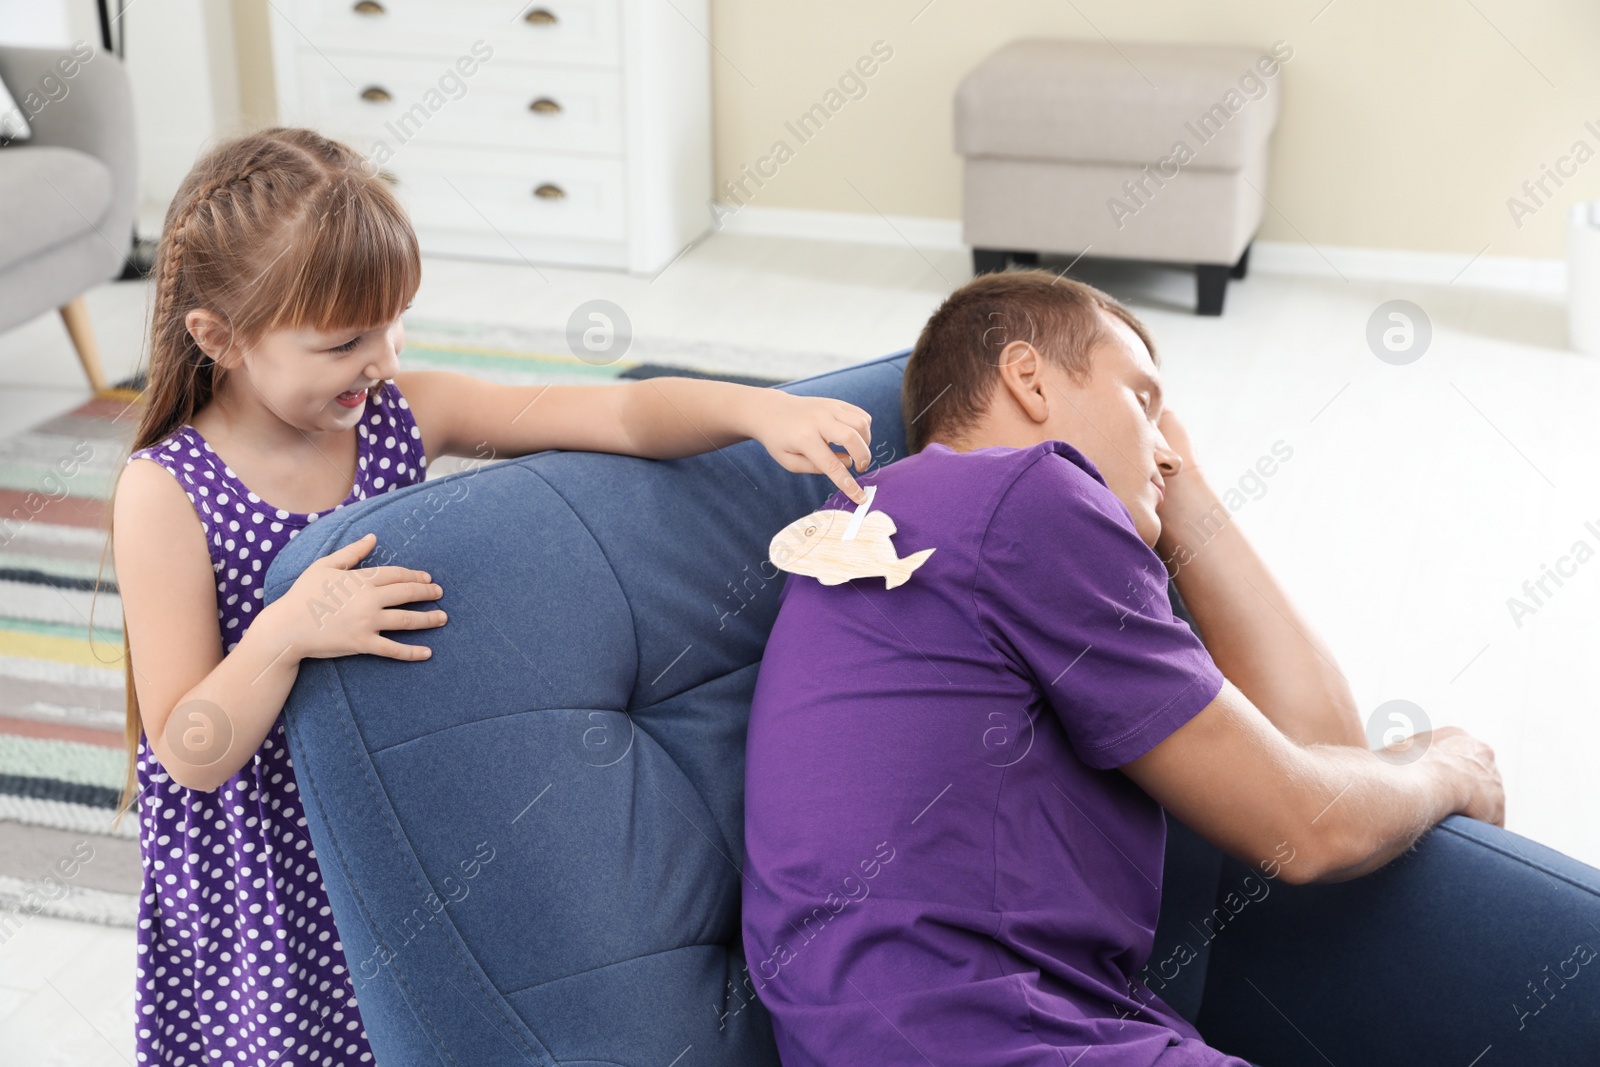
532, 842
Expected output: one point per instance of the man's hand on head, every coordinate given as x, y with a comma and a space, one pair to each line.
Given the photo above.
1250, 627
1178, 440
1188, 503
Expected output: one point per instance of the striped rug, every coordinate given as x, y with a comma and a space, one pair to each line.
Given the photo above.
62, 703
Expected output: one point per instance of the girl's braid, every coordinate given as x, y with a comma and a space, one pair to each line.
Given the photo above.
167, 283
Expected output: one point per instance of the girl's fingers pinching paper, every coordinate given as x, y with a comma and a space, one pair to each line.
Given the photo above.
851, 440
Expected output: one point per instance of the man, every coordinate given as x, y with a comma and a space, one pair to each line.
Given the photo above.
955, 787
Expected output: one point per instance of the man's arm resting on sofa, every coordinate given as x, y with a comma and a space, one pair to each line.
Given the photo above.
1337, 811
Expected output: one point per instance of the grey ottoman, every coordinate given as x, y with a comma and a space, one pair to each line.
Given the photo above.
1130, 151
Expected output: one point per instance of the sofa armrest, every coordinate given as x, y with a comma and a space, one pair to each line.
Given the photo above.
89, 109
1476, 939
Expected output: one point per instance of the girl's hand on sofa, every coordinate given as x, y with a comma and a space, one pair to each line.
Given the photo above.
336, 608
799, 432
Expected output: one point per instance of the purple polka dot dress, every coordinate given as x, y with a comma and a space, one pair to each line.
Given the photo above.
238, 959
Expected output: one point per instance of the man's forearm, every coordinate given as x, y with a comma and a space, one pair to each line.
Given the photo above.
1259, 641
1377, 809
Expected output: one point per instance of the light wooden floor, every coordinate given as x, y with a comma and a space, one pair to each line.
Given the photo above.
1417, 499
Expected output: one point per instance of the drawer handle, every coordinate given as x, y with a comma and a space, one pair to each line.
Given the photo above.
545, 106
369, 7
376, 94
541, 16
548, 191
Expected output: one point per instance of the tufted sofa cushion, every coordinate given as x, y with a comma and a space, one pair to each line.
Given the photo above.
533, 841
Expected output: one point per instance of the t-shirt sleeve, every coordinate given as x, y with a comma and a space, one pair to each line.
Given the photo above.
1069, 593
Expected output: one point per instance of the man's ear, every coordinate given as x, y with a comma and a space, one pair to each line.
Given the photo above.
211, 332
1022, 373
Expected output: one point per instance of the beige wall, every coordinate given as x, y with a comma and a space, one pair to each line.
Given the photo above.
258, 104
1404, 125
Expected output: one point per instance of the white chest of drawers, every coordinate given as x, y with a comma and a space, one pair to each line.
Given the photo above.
564, 131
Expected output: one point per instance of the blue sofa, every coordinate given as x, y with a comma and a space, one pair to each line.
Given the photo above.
532, 841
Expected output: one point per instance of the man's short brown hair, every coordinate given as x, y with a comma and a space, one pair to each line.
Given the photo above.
954, 367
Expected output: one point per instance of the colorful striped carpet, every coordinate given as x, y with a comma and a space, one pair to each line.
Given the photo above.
62, 760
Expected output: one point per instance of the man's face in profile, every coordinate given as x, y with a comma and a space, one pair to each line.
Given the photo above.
1111, 418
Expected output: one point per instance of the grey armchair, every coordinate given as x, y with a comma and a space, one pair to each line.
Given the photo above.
67, 193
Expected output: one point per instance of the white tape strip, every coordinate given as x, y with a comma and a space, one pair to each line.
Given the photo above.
861, 513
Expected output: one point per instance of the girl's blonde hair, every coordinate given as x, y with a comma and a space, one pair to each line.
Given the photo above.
281, 228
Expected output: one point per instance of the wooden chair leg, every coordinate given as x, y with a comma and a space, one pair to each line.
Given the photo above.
76, 317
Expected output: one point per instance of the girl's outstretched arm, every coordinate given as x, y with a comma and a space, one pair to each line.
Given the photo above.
656, 418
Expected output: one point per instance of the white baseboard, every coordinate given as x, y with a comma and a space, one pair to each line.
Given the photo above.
1270, 257
850, 227
1402, 265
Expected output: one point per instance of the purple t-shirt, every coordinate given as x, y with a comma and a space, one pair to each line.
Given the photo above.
942, 861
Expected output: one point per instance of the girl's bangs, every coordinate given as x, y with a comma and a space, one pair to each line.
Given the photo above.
352, 262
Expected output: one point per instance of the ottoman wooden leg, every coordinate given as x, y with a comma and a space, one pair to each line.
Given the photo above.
1211, 285
988, 261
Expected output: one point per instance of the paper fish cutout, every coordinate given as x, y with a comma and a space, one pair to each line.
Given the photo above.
821, 546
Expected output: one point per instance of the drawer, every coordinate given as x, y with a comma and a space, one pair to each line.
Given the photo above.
422, 101
495, 193
573, 32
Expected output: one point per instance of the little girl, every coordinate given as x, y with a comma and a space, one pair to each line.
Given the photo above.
273, 400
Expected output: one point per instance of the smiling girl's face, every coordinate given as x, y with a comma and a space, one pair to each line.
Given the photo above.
315, 380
